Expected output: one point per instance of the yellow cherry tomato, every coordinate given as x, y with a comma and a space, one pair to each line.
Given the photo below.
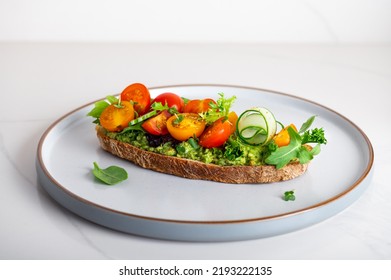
185, 125
116, 117
233, 119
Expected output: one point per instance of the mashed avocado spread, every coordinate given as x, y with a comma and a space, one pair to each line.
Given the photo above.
232, 153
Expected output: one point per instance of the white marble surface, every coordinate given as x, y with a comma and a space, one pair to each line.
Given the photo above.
40, 82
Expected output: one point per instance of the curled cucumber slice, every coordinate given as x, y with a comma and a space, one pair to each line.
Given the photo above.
256, 126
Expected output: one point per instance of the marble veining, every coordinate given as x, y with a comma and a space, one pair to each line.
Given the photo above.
333, 37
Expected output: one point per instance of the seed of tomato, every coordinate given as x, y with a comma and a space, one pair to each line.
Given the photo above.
115, 118
139, 95
184, 126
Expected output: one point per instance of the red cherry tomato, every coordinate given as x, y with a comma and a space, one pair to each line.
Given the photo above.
139, 95
172, 100
157, 125
216, 134
198, 106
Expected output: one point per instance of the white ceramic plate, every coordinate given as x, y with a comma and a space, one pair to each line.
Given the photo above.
164, 206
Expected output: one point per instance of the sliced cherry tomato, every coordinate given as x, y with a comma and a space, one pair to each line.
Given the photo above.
233, 119
116, 117
282, 138
185, 125
139, 95
198, 106
216, 134
172, 100
157, 125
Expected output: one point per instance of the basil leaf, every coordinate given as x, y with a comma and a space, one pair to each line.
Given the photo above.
110, 175
112, 99
98, 109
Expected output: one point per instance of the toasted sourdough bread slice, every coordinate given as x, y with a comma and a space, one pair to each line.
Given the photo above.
193, 169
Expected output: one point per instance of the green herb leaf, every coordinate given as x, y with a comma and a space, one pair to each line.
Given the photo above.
110, 175
193, 142
272, 146
305, 126
185, 100
315, 150
304, 155
98, 109
296, 149
233, 149
315, 135
158, 106
112, 99
178, 119
289, 196
282, 156
136, 126
217, 110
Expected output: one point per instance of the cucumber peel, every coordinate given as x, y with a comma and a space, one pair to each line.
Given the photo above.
143, 118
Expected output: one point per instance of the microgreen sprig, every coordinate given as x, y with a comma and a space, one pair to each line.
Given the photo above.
289, 195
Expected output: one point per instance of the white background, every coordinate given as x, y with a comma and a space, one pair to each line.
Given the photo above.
294, 21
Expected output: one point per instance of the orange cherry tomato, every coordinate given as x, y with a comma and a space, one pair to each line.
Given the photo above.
184, 126
217, 134
198, 106
157, 125
115, 117
282, 138
139, 95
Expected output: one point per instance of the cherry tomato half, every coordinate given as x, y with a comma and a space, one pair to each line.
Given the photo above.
185, 125
115, 118
282, 138
198, 106
217, 134
139, 95
157, 125
172, 100
233, 119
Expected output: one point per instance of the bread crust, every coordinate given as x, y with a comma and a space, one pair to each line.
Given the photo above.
193, 169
